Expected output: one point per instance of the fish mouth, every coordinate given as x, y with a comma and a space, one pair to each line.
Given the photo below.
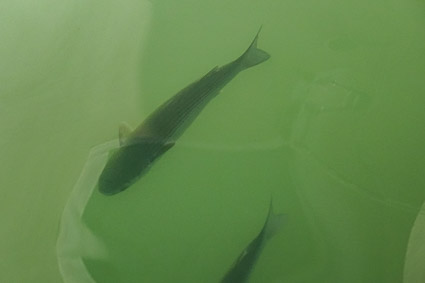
109, 192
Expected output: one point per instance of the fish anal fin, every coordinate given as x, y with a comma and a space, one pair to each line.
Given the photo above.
275, 222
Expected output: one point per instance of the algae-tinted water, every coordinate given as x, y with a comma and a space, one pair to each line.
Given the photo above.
330, 126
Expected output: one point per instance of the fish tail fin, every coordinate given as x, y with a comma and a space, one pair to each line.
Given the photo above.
253, 55
275, 222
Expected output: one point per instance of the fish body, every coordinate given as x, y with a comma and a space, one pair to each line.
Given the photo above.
140, 147
245, 263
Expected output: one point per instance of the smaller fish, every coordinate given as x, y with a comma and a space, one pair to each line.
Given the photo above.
244, 264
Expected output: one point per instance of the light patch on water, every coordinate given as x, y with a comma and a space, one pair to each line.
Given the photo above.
414, 267
75, 239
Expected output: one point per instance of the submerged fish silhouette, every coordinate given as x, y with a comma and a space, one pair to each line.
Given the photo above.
159, 131
244, 264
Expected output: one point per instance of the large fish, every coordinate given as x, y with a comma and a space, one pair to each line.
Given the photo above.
139, 148
244, 264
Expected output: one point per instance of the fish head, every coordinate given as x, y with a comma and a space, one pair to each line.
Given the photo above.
127, 164
124, 167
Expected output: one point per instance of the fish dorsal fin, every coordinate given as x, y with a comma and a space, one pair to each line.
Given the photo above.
123, 132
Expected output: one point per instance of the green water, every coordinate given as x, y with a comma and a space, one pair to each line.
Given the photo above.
330, 126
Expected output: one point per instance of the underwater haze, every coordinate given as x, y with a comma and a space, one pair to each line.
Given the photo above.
330, 129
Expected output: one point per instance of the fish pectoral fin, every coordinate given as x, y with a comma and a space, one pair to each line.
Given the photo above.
123, 132
167, 146
162, 149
